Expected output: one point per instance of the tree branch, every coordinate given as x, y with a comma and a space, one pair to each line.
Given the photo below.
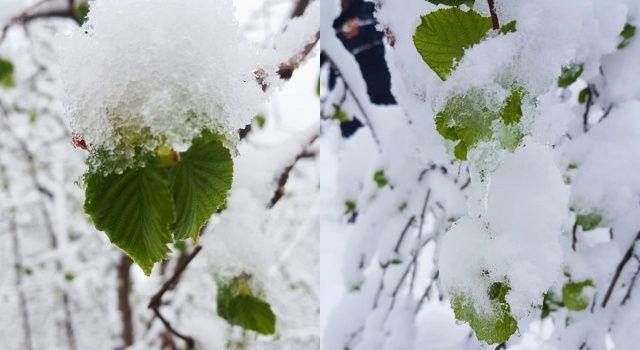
494, 16
285, 69
124, 289
633, 282
625, 259
26, 17
284, 176
299, 8
156, 299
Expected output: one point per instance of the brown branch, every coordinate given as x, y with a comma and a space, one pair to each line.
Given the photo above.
574, 238
299, 8
124, 289
284, 176
494, 16
625, 259
26, 17
285, 69
156, 299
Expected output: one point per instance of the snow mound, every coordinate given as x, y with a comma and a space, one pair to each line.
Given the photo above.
144, 73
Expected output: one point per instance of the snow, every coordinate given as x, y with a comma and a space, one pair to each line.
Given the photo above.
280, 244
154, 67
509, 216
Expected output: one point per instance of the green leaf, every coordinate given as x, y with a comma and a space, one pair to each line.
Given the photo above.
508, 28
493, 326
253, 314
460, 151
261, 120
380, 179
81, 12
627, 33
588, 221
339, 114
238, 306
570, 74
572, 295
444, 35
467, 119
6, 74
181, 247
199, 183
512, 110
350, 207
33, 116
449, 2
550, 304
69, 277
135, 210
582, 96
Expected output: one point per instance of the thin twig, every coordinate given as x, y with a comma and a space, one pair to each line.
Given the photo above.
419, 243
403, 233
284, 176
633, 282
19, 268
619, 268
355, 99
26, 17
156, 299
285, 69
574, 238
425, 295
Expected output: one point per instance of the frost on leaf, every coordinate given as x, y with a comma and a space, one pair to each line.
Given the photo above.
167, 198
493, 326
157, 101
588, 221
570, 74
237, 304
469, 119
572, 295
140, 74
444, 35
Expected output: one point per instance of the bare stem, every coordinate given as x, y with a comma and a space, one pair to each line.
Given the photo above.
494, 16
625, 259
156, 299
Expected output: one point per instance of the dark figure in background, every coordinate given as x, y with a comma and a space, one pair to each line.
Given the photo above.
356, 29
